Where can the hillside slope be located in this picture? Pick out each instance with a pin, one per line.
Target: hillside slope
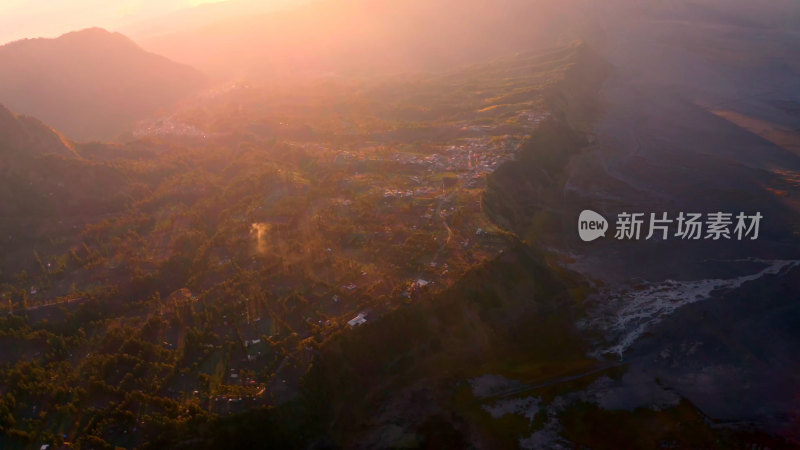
(48, 190)
(25, 135)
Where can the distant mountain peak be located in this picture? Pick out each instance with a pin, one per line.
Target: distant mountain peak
(91, 83)
(93, 34)
(97, 33)
(91, 31)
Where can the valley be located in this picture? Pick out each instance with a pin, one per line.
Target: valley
(231, 257)
(355, 226)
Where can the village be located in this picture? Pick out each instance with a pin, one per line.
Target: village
(439, 193)
(405, 223)
(399, 223)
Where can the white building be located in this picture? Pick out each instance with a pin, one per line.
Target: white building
(357, 320)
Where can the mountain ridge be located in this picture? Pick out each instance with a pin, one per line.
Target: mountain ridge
(21, 133)
(92, 83)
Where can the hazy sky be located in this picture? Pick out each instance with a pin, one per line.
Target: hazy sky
(49, 18)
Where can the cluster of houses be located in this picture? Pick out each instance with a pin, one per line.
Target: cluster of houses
(475, 157)
(168, 126)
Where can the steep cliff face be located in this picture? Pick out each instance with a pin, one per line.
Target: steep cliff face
(576, 100)
(524, 196)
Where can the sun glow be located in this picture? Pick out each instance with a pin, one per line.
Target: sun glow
(20, 19)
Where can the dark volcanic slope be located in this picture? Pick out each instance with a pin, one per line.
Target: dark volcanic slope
(91, 83)
(663, 143)
(689, 125)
